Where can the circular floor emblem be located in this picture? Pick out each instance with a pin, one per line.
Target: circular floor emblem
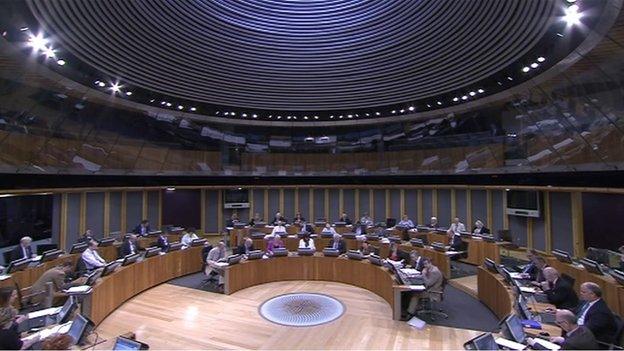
(301, 309)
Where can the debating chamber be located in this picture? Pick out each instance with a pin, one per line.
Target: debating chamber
(312, 174)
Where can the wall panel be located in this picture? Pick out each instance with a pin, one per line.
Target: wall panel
(539, 233)
(497, 211)
(114, 220)
(479, 208)
(364, 202)
(518, 228)
(95, 213)
(134, 209)
(319, 204)
(444, 207)
(289, 204)
(334, 204)
(461, 206)
(153, 208)
(411, 204)
(258, 203)
(395, 205)
(274, 204)
(212, 211)
(56, 218)
(304, 204)
(427, 203)
(561, 221)
(348, 202)
(73, 219)
(379, 204)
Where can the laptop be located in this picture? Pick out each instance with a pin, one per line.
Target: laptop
(255, 255)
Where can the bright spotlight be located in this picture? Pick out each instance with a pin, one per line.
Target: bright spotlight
(49, 53)
(455, 99)
(481, 91)
(193, 109)
(534, 65)
(411, 108)
(37, 42)
(168, 104)
(180, 107)
(115, 87)
(541, 59)
(128, 93)
(572, 15)
(254, 115)
(61, 62)
(526, 69)
(472, 93)
(464, 97)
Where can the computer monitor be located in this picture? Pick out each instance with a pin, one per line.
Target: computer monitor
(78, 248)
(305, 251)
(507, 275)
(175, 246)
(198, 242)
(260, 224)
(281, 234)
(490, 265)
(599, 255)
(110, 268)
(329, 252)
(66, 311)
(79, 328)
(438, 246)
(340, 224)
(513, 329)
(417, 242)
(233, 259)
(484, 341)
(523, 309)
(50, 255)
(562, 256)
(126, 344)
(93, 276)
(375, 259)
(18, 265)
(355, 255)
(240, 225)
(591, 266)
(327, 234)
(130, 259)
(618, 276)
(152, 251)
(280, 251)
(319, 223)
(255, 255)
(41, 248)
(394, 239)
(106, 242)
(154, 233)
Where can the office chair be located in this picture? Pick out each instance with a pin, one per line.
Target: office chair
(618, 341)
(568, 278)
(24, 297)
(390, 222)
(431, 306)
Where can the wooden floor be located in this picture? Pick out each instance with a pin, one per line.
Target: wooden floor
(173, 317)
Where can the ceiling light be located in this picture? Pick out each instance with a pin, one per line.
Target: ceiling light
(49, 53)
(244, 115)
(534, 65)
(428, 105)
(368, 115)
(481, 91)
(331, 117)
(37, 42)
(472, 93)
(279, 117)
(439, 103)
(254, 115)
(455, 99)
(193, 109)
(168, 104)
(294, 117)
(572, 15)
(377, 114)
(163, 102)
(393, 111)
(152, 100)
(464, 97)
(305, 117)
(233, 113)
(526, 69)
(402, 111)
(226, 114)
(101, 84)
(129, 93)
(541, 59)
(61, 62)
(411, 108)
(509, 78)
(180, 107)
(316, 117)
(115, 87)
(350, 116)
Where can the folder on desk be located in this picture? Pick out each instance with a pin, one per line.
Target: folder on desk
(529, 323)
(528, 289)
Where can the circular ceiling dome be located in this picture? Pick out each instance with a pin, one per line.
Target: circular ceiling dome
(293, 55)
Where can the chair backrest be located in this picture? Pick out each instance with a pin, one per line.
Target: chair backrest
(568, 278)
(505, 235)
(619, 334)
(81, 267)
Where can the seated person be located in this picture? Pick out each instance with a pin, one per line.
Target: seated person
(397, 254)
(367, 249)
(344, 218)
(189, 236)
(457, 226)
(416, 260)
(405, 222)
(480, 228)
(279, 228)
(558, 290)
(129, 246)
(338, 243)
(256, 218)
(455, 241)
(540, 265)
(216, 255)
(329, 229)
(306, 228)
(205, 250)
(91, 258)
(233, 220)
(9, 320)
(58, 276)
(433, 280)
(23, 250)
(531, 269)
(307, 242)
(366, 220)
(143, 228)
(298, 219)
(278, 219)
(575, 337)
(433, 223)
(245, 246)
(86, 237)
(595, 314)
(163, 241)
(275, 241)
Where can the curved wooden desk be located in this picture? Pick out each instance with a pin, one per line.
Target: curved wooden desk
(359, 273)
(30, 275)
(494, 293)
(113, 290)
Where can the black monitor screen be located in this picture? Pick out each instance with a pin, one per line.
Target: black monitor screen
(485, 342)
(126, 344)
(235, 196)
(525, 200)
(515, 328)
(30, 214)
(77, 328)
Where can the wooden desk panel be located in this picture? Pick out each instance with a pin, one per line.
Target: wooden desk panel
(478, 249)
(493, 292)
(112, 291)
(29, 276)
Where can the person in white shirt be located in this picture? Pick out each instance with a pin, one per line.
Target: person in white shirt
(279, 228)
(189, 236)
(457, 226)
(406, 222)
(433, 222)
(329, 229)
(91, 258)
(366, 220)
(307, 242)
(214, 256)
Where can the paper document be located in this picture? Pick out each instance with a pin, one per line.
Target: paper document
(516, 275)
(36, 258)
(221, 264)
(78, 289)
(528, 289)
(547, 344)
(44, 312)
(512, 345)
(4, 277)
(452, 253)
(416, 323)
(57, 329)
(417, 287)
(410, 271)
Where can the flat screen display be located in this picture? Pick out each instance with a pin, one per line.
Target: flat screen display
(523, 200)
(236, 196)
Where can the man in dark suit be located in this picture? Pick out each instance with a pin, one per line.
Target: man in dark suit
(344, 218)
(245, 246)
(480, 228)
(278, 218)
(129, 246)
(338, 243)
(595, 314)
(558, 290)
(456, 242)
(575, 337)
(23, 250)
(86, 237)
(163, 241)
(540, 265)
(143, 228)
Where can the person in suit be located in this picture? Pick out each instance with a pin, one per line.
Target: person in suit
(558, 290)
(256, 218)
(396, 254)
(58, 276)
(595, 314)
(576, 337)
(298, 219)
(433, 281)
(540, 264)
(189, 236)
(531, 269)
(306, 228)
(23, 250)
(405, 222)
(129, 246)
(205, 250)
(367, 249)
(457, 226)
(162, 241)
(245, 246)
(455, 241)
(215, 256)
(233, 220)
(480, 228)
(344, 218)
(338, 243)
(86, 237)
(143, 228)
(278, 218)
(307, 242)
(366, 220)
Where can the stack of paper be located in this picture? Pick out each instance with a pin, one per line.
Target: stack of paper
(82, 289)
(512, 345)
